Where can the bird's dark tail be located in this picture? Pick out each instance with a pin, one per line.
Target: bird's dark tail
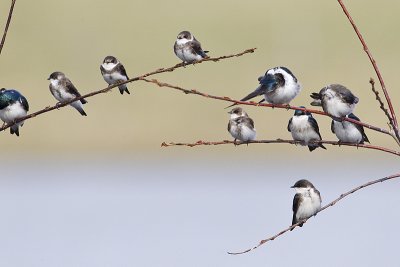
(313, 147)
(83, 101)
(315, 96)
(14, 130)
(123, 88)
(81, 111)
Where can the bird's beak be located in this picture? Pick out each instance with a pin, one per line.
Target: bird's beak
(292, 186)
(48, 79)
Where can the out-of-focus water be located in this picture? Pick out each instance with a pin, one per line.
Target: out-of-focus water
(189, 210)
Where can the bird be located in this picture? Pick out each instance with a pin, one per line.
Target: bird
(304, 128)
(188, 49)
(13, 105)
(63, 90)
(278, 85)
(349, 132)
(241, 126)
(336, 100)
(114, 72)
(306, 202)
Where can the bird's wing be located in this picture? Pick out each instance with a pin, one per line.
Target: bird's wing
(314, 125)
(359, 127)
(295, 207)
(123, 71)
(319, 194)
(196, 48)
(175, 48)
(102, 69)
(246, 120)
(73, 91)
(333, 126)
(288, 126)
(259, 91)
(24, 102)
(269, 82)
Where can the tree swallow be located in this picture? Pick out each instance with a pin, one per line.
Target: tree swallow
(63, 90)
(306, 202)
(13, 106)
(278, 85)
(349, 132)
(114, 72)
(336, 100)
(188, 49)
(241, 126)
(304, 128)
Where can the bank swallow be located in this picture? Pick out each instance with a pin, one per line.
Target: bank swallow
(188, 49)
(63, 90)
(13, 106)
(306, 202)
(278, 86)
(114, 72)
(241, 126)
(349, 132)
(304, 128)
(336, 100)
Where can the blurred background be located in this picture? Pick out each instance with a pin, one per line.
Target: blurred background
(99, 190)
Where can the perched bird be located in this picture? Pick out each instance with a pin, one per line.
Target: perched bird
(13, 106)
(336, 100)
(349, 132)
(114, 72)
(63, 90)
(304, 128)
(188, 49)
(241, 126)
(306, 202)
(278, 85)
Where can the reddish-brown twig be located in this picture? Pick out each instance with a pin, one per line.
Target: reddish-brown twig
(330, 204)
(382, 107)
(7, 25)
(280, 141)
(105, 90)
(375, 66)
(227, 99)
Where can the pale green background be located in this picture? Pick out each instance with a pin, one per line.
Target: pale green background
(312, 38)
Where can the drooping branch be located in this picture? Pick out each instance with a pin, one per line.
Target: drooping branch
(393, 118)
(330, 204)
(280, 141)
(3, 39)
(107, 89)
(250, 103)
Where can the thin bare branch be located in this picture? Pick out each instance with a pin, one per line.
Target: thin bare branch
(3, 40)
(105, 90)
(280, 141)
(377, 71)
(330, 204)
(227, 99)
(396, 135)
